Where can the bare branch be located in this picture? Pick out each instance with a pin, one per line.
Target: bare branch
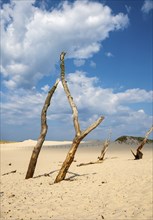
(68, 94)
(91, 127)
(104, 150)
(133, 153)
(145, 139)
(139, 154)
(89, 163)
(105, 147)
(13, 171)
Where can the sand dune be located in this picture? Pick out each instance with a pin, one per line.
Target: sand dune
(32, 143)
(119, 188)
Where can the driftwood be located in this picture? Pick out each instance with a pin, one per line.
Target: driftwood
(44, 128)
(105, 147)
(139, 154)
(101, 157)
(13, 171)
(89, 163)
(79, 135)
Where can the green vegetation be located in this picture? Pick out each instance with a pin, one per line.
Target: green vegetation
(124, 139)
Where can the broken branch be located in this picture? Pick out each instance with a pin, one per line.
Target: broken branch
(13, 171)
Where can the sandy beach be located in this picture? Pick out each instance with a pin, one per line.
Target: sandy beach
(117, 189)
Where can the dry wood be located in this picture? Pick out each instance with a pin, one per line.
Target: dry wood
(105, 147)
(44, 128)
(103, 152)
(79, 135)
(139, 154)
(70, 99)
(89, 163)
(13, 171)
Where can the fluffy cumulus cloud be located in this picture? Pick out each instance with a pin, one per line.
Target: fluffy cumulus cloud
(147, 6)
(32, 37)
(92, 101)
(31, 40)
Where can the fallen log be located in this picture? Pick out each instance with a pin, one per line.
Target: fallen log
(89, 163)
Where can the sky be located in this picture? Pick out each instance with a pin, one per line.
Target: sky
(108, 66)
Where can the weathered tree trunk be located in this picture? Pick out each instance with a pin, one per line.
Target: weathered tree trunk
(139, 154)
(44, 127)
(103, 152)
(79, 135)
(89, 163)
(105, 147)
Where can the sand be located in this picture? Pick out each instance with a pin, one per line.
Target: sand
(117, 189)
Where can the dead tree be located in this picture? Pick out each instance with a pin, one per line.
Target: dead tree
(103, 152)
(105, 148)
(139, 154)
(79, 135)
(44, 128)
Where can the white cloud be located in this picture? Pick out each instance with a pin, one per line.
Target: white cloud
(128, 8)
(109, 54)
(141, 111)
(79, 62)
(22, 107)
(32, 38)
(92, 63)
(147, 6)
(135, 96)
(45, 88)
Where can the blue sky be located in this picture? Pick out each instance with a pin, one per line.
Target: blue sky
(108, 66)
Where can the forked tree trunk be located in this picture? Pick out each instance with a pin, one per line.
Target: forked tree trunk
(44, 127)
(79, 135)
(139, 154)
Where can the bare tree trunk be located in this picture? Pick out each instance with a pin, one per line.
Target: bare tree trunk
(103, 152)
(70, 156)
(79, 135)
(105, 147)
(44, 127)
(139, 154)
